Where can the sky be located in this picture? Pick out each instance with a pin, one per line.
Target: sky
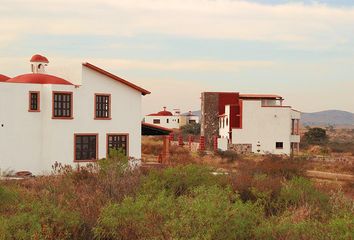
(302, 50)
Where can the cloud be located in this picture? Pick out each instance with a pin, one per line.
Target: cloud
(297, 24)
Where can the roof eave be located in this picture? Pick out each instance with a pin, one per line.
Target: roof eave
(116, 78)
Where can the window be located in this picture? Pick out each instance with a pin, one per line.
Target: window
(62, 105)
(156, 121)
(34, 102)
(192, 121)
(86, 147)
(295, 126)
(102, 106)
(167, 120)
(227, 122)
(279, 145)
(117, 142)
(177, 120)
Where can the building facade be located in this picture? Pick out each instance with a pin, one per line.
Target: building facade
(251, 123)
(46, 119)
(172, 120)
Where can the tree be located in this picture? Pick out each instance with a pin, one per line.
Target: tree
(191, 128)
(316, 136)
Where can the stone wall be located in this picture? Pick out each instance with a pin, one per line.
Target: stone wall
(209, 117)
(241, 148)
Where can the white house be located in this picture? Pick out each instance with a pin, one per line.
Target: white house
(259, 123)
(46, 119)
(172, 120)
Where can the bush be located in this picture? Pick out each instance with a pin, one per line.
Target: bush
(229, 155)
(140, 218)
(41, 220)
(301, 192)
(151, 145)
(214, 213)
(191, 129)
(181, 180)
(284, 227)
(205, 213)
(315, 136)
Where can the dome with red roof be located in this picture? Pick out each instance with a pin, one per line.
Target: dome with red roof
(38, 78)
(162, 113)
(3, 78)
(39, 58)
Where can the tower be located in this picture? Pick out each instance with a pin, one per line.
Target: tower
(38, 63)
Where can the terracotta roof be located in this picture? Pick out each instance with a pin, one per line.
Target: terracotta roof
(259, 96)
(3, 78)
(116, 78)
(38, 78)
(162, 113)
(39, 58)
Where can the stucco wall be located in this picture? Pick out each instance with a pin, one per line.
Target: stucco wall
(172, 121)
(34, 141)
(263, 127)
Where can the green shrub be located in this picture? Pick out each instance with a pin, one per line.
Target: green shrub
(205, 213)
(286, 227)
(300, 192)
(211, 212)
(7, 196)
(341, 227)
(140, 218)
(41, 220)
(191, 128)
(315, 136)
(180, 180)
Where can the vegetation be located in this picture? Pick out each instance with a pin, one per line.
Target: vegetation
(267, 200)
(315, 136)
(191, 129)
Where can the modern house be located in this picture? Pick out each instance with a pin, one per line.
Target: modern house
(172, 120)
(250, 123)
(46, 119)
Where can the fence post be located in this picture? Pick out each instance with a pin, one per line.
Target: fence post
(166, 149)
(215, 143)
(190, 141)
(202, 144)
(171, 136)
(180, 140)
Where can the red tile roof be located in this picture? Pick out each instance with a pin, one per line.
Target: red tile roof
(39, 58)
(4, 78)
(162, 113)
(38, 78)
(116, 78)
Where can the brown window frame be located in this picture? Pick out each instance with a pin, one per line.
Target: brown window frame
(109, 106)
(126, 135)
(156, 121)
(75, 147)
(30, 106)
(71, 105)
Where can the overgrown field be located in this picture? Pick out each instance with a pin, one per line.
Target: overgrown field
(268, 200)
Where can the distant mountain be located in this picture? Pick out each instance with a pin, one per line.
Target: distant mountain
(324, 118)
(330, 117)
(197, 113)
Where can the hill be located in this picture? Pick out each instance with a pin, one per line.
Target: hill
(330, 117)
(323, 118)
